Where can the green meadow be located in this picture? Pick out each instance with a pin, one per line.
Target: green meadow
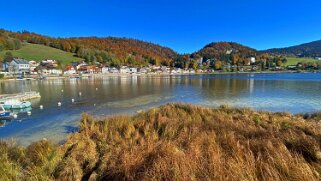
(295, 60)
(40, 52)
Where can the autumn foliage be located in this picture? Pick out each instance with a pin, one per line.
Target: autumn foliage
(105, 50)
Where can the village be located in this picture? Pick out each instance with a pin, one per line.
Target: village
(51, 68)
(20, 68)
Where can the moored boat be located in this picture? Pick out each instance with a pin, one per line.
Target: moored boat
(15, 104)
(3, 113)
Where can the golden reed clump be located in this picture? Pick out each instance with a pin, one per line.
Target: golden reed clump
(176, 142)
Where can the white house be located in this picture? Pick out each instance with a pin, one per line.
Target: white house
(52, 71)
(165, 69)
(113, 70)
(132, 70)
(200, 61)
(124, 70)
(228, 52)
(19, 66)
(143, 70)
(105, 70)
(252, 59)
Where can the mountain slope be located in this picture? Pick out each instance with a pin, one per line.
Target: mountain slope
(110, 49)
(40, 52)
(312, 49)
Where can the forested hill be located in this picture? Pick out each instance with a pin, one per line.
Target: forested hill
(221, 49)
(312, 49)
(115, 51)
(8, 41)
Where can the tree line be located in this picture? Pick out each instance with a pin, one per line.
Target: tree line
(124, 51)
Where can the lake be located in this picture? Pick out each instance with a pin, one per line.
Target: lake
(291, 92)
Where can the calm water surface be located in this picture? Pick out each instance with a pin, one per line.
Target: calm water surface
(295, 93)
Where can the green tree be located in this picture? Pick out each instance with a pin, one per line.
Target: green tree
(8, 57)
(194, 64)
(17, 43)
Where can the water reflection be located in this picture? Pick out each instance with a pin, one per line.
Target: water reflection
(118, 95)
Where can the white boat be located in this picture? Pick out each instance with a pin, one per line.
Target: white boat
(15, 104)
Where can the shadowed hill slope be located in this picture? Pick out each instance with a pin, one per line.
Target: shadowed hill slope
(312, 49)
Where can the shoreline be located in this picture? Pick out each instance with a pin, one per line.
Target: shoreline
(55, 77)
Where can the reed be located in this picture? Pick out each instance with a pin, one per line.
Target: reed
(176, 142)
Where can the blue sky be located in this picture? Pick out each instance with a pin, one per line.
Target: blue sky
(186, 26)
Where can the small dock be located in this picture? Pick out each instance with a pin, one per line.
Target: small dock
(20, 96)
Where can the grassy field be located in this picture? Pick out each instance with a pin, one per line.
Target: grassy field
(295, 60)
(176, 142)
(40, 52)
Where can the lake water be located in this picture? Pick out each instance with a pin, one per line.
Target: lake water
(291, 92)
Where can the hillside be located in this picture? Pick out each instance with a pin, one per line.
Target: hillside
(109, 50)
(176, 142)
(114, 51)
(312, 49)
(40, 52)
(217, 50)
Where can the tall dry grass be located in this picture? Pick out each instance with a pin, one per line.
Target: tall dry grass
(176, 142)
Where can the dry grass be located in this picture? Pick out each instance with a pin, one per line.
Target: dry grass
(176, 142)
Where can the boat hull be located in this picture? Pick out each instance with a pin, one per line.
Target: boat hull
(23, 105)
(5, 115)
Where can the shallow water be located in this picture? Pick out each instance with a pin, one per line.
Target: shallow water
(291, 92)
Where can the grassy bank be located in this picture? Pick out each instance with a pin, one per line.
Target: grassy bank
(40, 52)
(176, 142)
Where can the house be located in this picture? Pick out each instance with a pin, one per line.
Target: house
(105, 70)
(144, 70)
(69, 70)
(80, 64)
(19, 66)
(33, 66)
(165, 69)
(174, 71)
(228, 52)
(155, 68)
(89, 69)
(200, 61)
(252, 60)
(132, 70)
(4, 66)
(114, 70)
(177, 71)
(50, 64)
(124, 70)
(52, 71)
